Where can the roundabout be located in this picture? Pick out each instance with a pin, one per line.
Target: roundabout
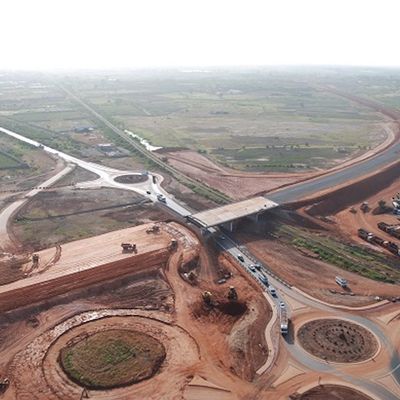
(112, 358)
(122, 354)
(337, 340)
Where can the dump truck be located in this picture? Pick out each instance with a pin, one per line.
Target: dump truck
(284, 321)
(341, 281)
(128, 247)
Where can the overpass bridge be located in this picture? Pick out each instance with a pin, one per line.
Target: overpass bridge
(228, 215)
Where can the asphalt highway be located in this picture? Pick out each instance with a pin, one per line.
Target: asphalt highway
(307, 188)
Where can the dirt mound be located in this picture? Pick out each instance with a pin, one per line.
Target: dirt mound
(330, 392)
(337, 340)
(113, 358)
(233, 308)
(131, 178)
(219, 309)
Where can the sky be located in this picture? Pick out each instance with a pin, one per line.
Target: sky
(98, 34)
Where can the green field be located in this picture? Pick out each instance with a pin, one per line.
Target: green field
(8, 162)
(249, 120)
(348, 256)
(256, 120)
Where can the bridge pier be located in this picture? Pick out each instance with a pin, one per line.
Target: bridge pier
(230, 226)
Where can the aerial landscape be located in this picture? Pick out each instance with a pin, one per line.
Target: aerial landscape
(198, 230)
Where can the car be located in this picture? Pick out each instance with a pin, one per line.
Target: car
(148, 192)
(272, 290)
(240, 258)
(162, 198)
(264, 280)
(258, 266)
(282, 304)
(252, 268)
(222, 237)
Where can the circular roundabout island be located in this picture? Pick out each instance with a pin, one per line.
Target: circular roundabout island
(131, 179)
(111, 358)
(331, 392)
(337, 340)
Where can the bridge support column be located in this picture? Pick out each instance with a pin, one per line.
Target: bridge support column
(255, 217)
(230, 226)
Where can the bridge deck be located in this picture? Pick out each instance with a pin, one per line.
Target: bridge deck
(230, 212)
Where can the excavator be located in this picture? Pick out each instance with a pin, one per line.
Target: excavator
(153, 229)
(232, 294)
(207, 298)
(4, 384)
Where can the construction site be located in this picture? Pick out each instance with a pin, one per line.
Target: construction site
(113, 287)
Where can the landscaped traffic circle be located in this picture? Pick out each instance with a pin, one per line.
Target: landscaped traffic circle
(111, 358)
(337, 340)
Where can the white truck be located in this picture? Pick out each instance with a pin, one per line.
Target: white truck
(284, 321)
(341, 281)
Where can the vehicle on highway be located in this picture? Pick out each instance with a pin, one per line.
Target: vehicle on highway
(162, 198)
(258, 266)
(264, 280)
(240, 258)
(282, 304)
(148, 192)
(272, 290)
(252, 268)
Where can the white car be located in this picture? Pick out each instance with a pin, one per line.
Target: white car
(282, 304)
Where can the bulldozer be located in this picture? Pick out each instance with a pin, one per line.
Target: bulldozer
(153, 229)
(207, 298)
(232, 294)
(128, 247)
(173, 244)
(4, 384)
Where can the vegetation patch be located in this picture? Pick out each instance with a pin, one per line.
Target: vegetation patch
(348, 256)
(337, 340)
(112, 358)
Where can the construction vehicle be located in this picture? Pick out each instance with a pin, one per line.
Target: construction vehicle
(207, 298)
(232, 294)
(35, 259)
(393, 230)
(4, 384)
(341, 282)
(128, 247)
(284, 320)
(364, 206)
(173, 244)
(192, 276)
(153, 229)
